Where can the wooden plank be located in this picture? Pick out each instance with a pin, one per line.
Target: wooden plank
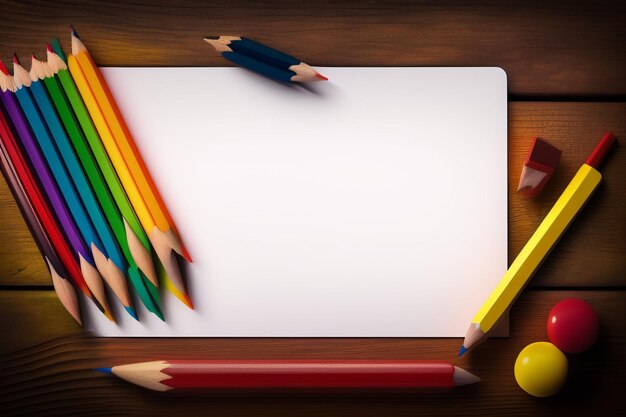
(547, 48)
(592, 253)
(593, 250)
(53, 376)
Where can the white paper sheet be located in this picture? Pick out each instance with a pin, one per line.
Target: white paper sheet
(370, 205)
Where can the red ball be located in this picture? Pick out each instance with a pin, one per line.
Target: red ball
(573, 325)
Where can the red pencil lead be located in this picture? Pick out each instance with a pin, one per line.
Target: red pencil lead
(49, 47)
(15, 59)
(320, 76)
(32, 57)
(3, 68)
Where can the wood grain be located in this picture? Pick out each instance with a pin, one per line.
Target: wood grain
(547, 48)
(593, 250)
(53, 376)
(596, 238)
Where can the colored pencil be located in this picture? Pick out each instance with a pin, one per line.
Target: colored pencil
(11, 100)
(65, 291)
(108, 257)
(48, 149)
(123, 138)
(129, 166)
(292, 374)
(110, 209)
(142, 254)
(542, 241)
(262, 59)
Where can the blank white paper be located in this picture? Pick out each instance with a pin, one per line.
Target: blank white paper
(370, 205)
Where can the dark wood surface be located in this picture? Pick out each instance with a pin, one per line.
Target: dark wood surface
(565, 62)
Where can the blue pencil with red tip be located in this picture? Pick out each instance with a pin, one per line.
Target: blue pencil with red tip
(264, 60)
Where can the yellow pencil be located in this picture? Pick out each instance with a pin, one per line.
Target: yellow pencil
(162, 241)
(542, 241)
(127, 146)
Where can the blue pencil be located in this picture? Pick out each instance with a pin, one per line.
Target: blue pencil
(264, 60)
(46, 126)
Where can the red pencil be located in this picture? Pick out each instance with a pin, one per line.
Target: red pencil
(292, 374)
(41, 208)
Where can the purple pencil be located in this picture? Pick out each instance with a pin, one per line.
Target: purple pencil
(89, 271)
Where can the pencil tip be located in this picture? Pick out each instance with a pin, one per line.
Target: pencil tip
(462, 351)
(3, 68)
(32, 57)
(109, 316)
(188, 301)
(321, 77)
(132, 312)
(49, 47)
(159, 314)
(16, 59)
(73, 31)
(186, 254)
(211, 38)
(104, 370)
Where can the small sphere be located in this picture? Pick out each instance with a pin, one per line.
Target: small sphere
(573, 325)
(541, 369)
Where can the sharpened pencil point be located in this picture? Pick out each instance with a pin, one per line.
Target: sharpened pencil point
(49, 47)
(188, 301)
(321, 77)
(132, 312)
(159, 314)
(104, 370)
(462, 351)
(109, 316)
(73, 31)
(186, 255)
(212, 38)
(16, 59)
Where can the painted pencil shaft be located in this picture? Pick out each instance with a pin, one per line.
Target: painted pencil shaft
(300, 374)
(109, 246)
(534, 252)
(49, 186)
(64, 290)
(108, 256)
(35, 119)
(106, 168)
(124, 140)
(104, 198)
(138, 243)
(258, 52)
(260, 67)
(158, 239)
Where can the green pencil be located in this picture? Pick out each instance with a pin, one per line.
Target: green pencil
(70, 108)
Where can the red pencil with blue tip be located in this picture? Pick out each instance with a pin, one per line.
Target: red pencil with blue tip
(166, 375)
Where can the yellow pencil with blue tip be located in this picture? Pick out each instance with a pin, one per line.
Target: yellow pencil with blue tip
(542, 241)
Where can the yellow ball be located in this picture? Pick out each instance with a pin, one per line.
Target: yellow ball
(541, 369)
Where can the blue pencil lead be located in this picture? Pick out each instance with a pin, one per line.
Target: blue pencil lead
(462, 351)
(104, 370)
(131, 311)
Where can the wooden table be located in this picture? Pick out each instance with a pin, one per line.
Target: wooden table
(566, 66)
